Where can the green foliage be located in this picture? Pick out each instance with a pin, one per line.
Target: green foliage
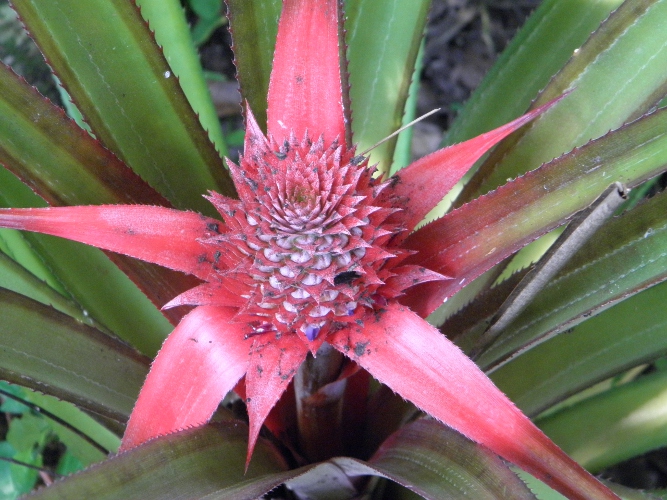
(209, 13)
(67, 308)
(33, 429)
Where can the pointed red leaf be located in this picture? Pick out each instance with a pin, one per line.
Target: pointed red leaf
(208, 294)
(410, 356)
(411, 275)
(426, 181)
(305, 91)
(272, 366)
(154, 234)
(200, 362)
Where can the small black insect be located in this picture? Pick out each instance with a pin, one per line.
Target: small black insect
(346, 277)
(357, 160)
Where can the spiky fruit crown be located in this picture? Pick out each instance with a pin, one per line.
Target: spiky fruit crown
(307, 246)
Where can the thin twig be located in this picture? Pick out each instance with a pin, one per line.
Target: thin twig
(393, 134)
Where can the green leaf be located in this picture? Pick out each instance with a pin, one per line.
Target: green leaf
(403, 150)
(487, 230)
(204, 462)
(10, 405)
(611, 427)
(381, 68)
(616, 76)
(203, 30)
(68, 464)
(80, 448)
(52, 414)
(105, 55)
(254, 27)
(9, 489)
(67, 167)
(538, 50)
(28, 433)
(166, 18)
(437, 462)
(624, 257)
(541, 490)
(53, 156)
(52, 353)
(206, 8)
(25, 478)
(18, 279)
(599, 348)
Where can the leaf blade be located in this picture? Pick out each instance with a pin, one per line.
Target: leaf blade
(596, 349)
(50, 352)
(404, 352)
(173, 35)
(622, 422)
(381, 68)
(93, 47)
(211, 350)
(305, 89)
(65, 166)
(483, 232)
(595, 105)
(596, 278)
(254, 26)
(420, 454)
(164, 236)
(205, 462)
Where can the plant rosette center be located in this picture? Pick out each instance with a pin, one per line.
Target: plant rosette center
(308, 247)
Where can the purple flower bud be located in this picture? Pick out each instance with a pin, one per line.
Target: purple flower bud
(312, 331)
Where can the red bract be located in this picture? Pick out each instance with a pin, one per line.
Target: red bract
(311, 252)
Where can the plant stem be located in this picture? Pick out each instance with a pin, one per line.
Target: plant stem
(319, 403)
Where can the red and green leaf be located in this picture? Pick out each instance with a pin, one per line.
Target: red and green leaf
(426, 181)
(470, 240)
(93, 47)
(199, 363)
(404, 352)
(597, 103)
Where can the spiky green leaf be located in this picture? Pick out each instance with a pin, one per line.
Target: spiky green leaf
(626, 256)
(599, 348)
(611, 427)
(105, 55)
(596, 103)
(207, 462)
(52, 353)
(254, 26)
